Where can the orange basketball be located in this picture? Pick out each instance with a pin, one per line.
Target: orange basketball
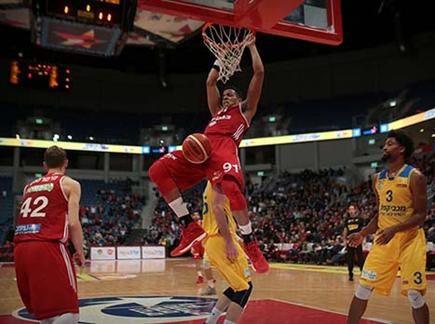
(196, 148)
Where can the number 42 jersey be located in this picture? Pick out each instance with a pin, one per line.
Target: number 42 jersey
(44, 211)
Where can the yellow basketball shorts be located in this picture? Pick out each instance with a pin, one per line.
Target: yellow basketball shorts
(406, 251)
(237, 273)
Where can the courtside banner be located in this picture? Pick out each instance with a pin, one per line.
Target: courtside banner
(103, 253)
(153, 252)
(128, 252)
(103, 266)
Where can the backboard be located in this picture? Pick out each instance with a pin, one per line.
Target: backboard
(311, 20)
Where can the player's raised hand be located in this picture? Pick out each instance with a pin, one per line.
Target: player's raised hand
(250, 41)
(231, 250)
(355, 239)
(79, 259)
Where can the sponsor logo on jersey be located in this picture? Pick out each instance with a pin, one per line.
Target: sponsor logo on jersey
(214, 120)
(139, 309)
(369, 275)
(44, 187)
(392, 210)
(352, 227)
(247, 272)
(27, 229)
(380, 184)
(216, 175)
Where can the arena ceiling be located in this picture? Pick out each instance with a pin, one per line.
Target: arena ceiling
(164, 38)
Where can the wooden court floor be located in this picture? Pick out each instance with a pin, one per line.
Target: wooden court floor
(321, 288)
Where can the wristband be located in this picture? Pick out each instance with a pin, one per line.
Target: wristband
(216, 65)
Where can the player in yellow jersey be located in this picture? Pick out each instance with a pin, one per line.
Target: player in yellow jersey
(225, 253)
(399, 240)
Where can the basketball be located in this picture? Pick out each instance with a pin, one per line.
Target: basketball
(196, 148)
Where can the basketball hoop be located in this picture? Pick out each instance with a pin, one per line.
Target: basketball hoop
(227, 45)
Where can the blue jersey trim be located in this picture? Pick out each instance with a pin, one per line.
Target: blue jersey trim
(405, 173)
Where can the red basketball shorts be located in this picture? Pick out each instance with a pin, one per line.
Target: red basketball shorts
(223, 162)
(46, 278)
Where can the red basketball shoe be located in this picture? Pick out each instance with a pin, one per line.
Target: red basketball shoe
(258, 261)
(199, 280)
(190, 235)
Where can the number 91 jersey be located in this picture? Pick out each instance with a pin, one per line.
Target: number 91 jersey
(44, 211)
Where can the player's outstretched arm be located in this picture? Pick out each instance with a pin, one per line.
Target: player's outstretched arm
(73, 191)
(213, 95)
(256, 84)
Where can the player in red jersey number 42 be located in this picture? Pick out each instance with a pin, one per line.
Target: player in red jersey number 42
(48, 218)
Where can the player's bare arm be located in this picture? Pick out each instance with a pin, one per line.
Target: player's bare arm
(73, 192)
(356, 239)
(218, 200)
(213, 95)
(250, 105)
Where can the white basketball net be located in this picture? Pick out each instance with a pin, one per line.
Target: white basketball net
(227, 44)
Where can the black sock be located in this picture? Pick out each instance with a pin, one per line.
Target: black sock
(185, 220)
(248, 238)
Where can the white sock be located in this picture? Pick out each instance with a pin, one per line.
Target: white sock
(179, 207)
(215, 313)
(199, 274)
(211, 283)
(246, 229)
(228, 322)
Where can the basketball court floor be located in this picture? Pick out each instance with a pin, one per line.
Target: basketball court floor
(164, 291)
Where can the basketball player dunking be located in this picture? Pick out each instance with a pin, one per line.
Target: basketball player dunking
(399, 240)
(173, 174)
(49, 216)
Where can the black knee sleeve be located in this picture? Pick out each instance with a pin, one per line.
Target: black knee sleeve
(229, 292)
(241, 297)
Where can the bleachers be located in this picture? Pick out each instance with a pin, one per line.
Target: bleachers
(337, 113)
(89, 191)
(6, 206)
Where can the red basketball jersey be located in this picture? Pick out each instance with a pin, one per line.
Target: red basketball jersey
(44, 211)
(228, 122)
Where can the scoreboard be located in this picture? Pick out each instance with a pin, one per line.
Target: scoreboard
(89, 27)
(104, 12)
(40, 75)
